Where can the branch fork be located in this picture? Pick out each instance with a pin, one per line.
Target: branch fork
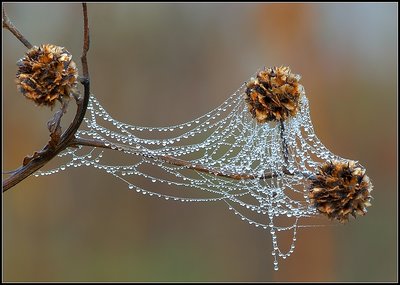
(58, 142)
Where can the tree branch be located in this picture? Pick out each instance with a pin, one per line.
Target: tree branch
(49, 151)
(285, 151)
(179, 162)
(9, 26)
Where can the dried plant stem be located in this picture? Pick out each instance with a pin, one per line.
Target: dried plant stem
(9, 26)
(86, 42)
(285, 151)
(179, 162)
(49, 151)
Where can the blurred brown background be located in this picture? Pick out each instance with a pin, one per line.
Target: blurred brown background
(161, 64)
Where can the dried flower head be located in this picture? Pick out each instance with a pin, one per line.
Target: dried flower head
(274, 94)
(340, 188)
(46, 74)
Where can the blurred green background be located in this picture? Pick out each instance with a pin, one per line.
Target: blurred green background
(162, 64)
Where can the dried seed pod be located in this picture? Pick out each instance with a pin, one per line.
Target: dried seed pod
(46, 74)
(274, 94)
(340, 189)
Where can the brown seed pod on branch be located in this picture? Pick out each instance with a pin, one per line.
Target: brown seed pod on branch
(340, 189)
(274, 94)
(46, 74)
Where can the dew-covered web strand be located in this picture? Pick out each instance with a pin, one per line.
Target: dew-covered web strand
(226, 139)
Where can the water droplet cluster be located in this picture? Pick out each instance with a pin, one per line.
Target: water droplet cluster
(227, 140)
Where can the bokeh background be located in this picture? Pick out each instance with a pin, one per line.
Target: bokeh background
(162, 64)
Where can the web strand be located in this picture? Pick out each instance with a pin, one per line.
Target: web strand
(221, 143)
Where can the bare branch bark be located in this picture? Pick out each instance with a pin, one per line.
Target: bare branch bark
(285, 150)
(9, 26)
(49, 151)
(179, 162)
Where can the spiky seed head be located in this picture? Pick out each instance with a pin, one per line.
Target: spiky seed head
(340, 189)
(46, 74)
(274, 94)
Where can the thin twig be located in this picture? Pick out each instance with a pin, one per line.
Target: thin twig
(85, 80)
(86, 42)
(285, 151)
(9, 26)
(179, 162)
(48, 152)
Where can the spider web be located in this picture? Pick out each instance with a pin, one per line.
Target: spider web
(226, 141)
